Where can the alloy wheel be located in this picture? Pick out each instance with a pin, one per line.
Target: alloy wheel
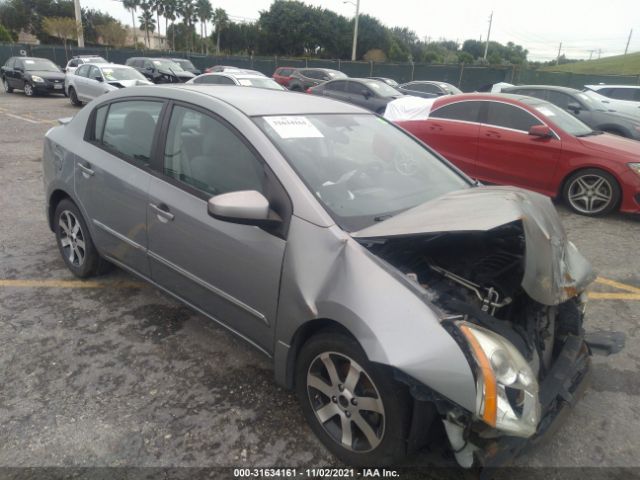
(72, 238)
(28, 90)
(346, 402)
(590, 193)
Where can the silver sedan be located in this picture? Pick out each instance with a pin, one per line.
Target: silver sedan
(392, 293)
(91, 80)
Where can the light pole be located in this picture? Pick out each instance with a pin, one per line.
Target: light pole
(355, 29)
(78, 13)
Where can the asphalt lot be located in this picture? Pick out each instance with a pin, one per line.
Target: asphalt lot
(113, 372)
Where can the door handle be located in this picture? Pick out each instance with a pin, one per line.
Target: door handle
(492, 134)
(435, 127)
(86, 171)
(162, 212)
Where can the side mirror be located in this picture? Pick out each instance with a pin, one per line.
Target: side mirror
(247, 207)
(541, 131)
(19, 69)
(574, 107)
(98, 78)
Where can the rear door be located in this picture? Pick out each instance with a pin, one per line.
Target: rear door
(80, 81)
(112, 176)
(508, 155)
(452, 130)
(9, 71)
(94, 87)
(230, 271)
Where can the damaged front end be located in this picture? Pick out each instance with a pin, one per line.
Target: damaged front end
(509, 287)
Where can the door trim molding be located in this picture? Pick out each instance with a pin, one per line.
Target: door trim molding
(119, 236)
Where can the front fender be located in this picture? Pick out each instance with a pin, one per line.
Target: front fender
(327, 274)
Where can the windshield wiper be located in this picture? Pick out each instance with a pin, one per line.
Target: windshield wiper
(382, 218)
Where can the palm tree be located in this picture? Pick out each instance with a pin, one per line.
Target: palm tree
(169, 8)
(158, 6)
(147, 22)
(205, 12)
(187, 10)
(220, 21)
(132, 5)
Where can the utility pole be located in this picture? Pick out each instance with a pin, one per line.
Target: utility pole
(591, 54)
(599, 52)
(559, 50)
(486, 47)
(78, 13)
(355, 29)
(626, 49)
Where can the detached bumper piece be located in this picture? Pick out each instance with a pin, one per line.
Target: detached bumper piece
(562, 387)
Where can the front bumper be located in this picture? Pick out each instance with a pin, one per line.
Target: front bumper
(49, 86)
(562, 387)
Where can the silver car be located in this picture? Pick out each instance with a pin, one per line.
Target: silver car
(396, 297)
(91, 80)
(237, 78)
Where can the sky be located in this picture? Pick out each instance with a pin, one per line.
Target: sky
(600, 29)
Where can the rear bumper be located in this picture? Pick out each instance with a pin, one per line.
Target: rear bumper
(562, 387)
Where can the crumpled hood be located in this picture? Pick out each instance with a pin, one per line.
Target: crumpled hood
(130, 83)
(554, 269)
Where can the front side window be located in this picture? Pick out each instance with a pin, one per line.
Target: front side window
(83, 71)
(10, 63)
(206, 154)
(509, 116)
(359, 166)
(208, 80)
(356, 88)
(94, 73)
(337, 86)
(561, 99)
(461, 111)
(381, 89)
(423, 87)
(130, 128)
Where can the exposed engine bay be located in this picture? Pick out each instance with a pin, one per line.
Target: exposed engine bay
(479, 275)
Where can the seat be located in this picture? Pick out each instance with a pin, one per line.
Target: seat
(139, 128)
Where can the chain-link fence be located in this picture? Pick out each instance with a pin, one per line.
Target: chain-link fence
(467, 77)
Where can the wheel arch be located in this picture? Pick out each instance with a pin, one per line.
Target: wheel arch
(54, 199)
(589, 166)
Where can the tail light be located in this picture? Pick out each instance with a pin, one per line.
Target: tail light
(308, 90)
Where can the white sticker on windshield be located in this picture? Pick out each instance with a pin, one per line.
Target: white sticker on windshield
(545, 111)
(245, 82)
(157, 62)
(293, 127)
(29, 62)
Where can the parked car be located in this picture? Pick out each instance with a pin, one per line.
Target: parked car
(236, 78)
(393, 294)
(428, 89)
(187, 65)
(527, 142)
(160, 70)
(32, 75)
(78, 60)
(389, 81)
(364, 92)
(305, 78)
(90, 80)
(230, 69)
(582, 106)
(282, 75)
(630, 93)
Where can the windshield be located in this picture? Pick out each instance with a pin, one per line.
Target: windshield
(113, 74)
(360, 167)
(94, 60)
(41, 65)
(382, 88)
(186, 64)
(335, 74)
(260, 82)
(564, 120)
(450, 89)
(167, 65)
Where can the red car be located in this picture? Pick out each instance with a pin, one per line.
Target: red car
(282, 75)
(530, 143)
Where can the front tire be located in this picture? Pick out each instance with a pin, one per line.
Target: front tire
(354, 407)
(592, 192)
(28, 90)
(73, 97)
(74, 241)
(6, 86)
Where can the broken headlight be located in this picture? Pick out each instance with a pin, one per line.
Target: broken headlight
(507, 389)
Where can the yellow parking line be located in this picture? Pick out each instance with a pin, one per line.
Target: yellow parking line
(613, 296)
(68, 284)
(618, 285)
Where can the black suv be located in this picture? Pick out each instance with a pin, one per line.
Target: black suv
(32, 75)
(365, 92)
(160, 70)
(305, 78)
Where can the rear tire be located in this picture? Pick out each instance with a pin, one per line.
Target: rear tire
(591, 192)
(74, 241)
(354, 406)
(6, 86)
(74, 97)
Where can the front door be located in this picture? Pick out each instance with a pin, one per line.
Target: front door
(112, 178)
(229, 271)
(508, 155)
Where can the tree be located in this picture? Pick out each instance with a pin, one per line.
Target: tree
(91, 20)
(64, 28)
(158, 7)
(5, 36)
(187, 10)
(132, 5)
(220, 21)
(205, 12)
(147, 22)
(112, 33)
(169, 7)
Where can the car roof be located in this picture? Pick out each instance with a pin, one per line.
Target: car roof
(259, 102)
(557, 88)
(508, 97)
(613, 86)
(110, 65)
